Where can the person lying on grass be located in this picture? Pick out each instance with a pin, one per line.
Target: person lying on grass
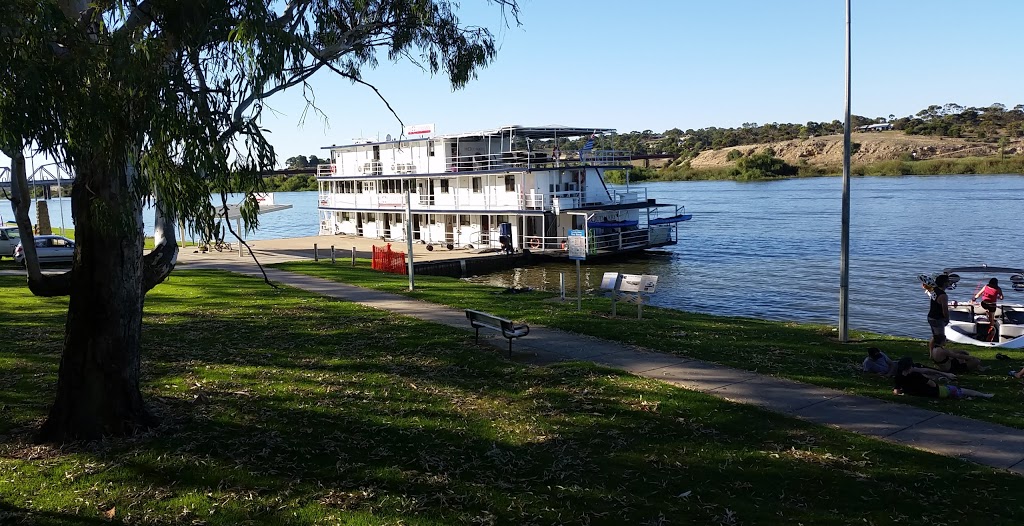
(921, 381)
(1018, 375)
(950, 360)
(877, 362)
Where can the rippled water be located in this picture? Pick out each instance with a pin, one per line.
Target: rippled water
(298, 221)
(771, 249)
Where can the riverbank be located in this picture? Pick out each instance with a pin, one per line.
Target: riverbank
(874, 153)
(803, 352)
(288, 408)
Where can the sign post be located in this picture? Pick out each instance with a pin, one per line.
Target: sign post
(408, 235)
(577, 245)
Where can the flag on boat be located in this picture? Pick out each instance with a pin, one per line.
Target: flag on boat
(589, 144)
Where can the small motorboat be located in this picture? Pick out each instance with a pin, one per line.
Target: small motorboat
(969, 322)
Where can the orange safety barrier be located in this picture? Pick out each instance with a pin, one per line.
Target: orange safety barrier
(387, 260)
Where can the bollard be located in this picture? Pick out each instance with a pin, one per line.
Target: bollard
(353, 256)
(561, 284)
(316, 253)
(332, 254)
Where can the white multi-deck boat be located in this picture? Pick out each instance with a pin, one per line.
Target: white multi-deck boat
(511, 188)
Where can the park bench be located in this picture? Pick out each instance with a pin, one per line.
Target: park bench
(508, 329)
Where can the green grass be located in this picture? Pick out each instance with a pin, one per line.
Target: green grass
(285, 408)
(807, 353)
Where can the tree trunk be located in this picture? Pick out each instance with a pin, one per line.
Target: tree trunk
(98, 384)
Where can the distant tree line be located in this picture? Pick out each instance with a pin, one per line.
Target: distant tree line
(301, 161)
(995, 124)
(950, 120)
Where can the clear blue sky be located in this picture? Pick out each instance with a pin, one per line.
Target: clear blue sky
(657, 65)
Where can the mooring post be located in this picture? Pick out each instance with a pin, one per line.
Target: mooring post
(353, 256)
(316, 253)
(332, 254)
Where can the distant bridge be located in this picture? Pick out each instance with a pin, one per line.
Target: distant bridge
(46, 176)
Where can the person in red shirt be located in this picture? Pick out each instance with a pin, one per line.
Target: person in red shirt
(989, 294)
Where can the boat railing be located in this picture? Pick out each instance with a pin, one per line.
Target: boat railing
(329, 170)
(570, 200)
(617, 241)
(604, 157)
(535, 160)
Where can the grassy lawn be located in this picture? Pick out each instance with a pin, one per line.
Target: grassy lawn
(808, 353)
(285, 408)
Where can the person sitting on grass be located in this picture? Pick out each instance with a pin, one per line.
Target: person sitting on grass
(949, 360)
(920, 381)
(1018, 375)
(877, 362)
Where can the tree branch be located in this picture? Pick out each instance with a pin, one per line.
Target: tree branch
(141, 15)
(47, 285)
(224, 204)
(159, 263)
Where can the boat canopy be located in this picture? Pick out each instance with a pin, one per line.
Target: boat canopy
(549, 131)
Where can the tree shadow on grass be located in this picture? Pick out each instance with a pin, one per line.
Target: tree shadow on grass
(310, 408)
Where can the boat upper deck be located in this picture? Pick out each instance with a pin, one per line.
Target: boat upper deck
(506, 149)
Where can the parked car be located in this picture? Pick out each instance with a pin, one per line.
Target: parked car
(9, 238)
(50, 249)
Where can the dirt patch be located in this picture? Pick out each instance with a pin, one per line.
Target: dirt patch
(877, 146)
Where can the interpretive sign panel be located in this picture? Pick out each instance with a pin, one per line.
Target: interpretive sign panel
(641, 283)
(630, 288)
(610, 280)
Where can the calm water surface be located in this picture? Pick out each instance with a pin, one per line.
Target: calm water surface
(771, 250)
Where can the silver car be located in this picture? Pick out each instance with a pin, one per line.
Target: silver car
(50, 249)
(8, 240)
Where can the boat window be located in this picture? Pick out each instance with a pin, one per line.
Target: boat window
(464, 220)
(510, 183)
(444, 186)
(430, 148)
(478, 184)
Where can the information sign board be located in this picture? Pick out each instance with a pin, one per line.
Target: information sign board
(577, 245)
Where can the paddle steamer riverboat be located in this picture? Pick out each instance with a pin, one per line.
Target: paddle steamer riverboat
(512, 188)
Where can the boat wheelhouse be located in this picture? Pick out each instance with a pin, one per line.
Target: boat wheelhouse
(510, 188)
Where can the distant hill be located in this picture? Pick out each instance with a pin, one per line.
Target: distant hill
(869, 147)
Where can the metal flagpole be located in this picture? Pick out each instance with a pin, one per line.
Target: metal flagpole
(844, 256)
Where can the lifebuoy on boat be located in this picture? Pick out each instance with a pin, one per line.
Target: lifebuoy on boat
(534, 242)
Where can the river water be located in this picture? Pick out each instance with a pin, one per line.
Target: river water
(771, 249)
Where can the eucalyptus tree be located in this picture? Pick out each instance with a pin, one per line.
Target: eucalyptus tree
(159, 101)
